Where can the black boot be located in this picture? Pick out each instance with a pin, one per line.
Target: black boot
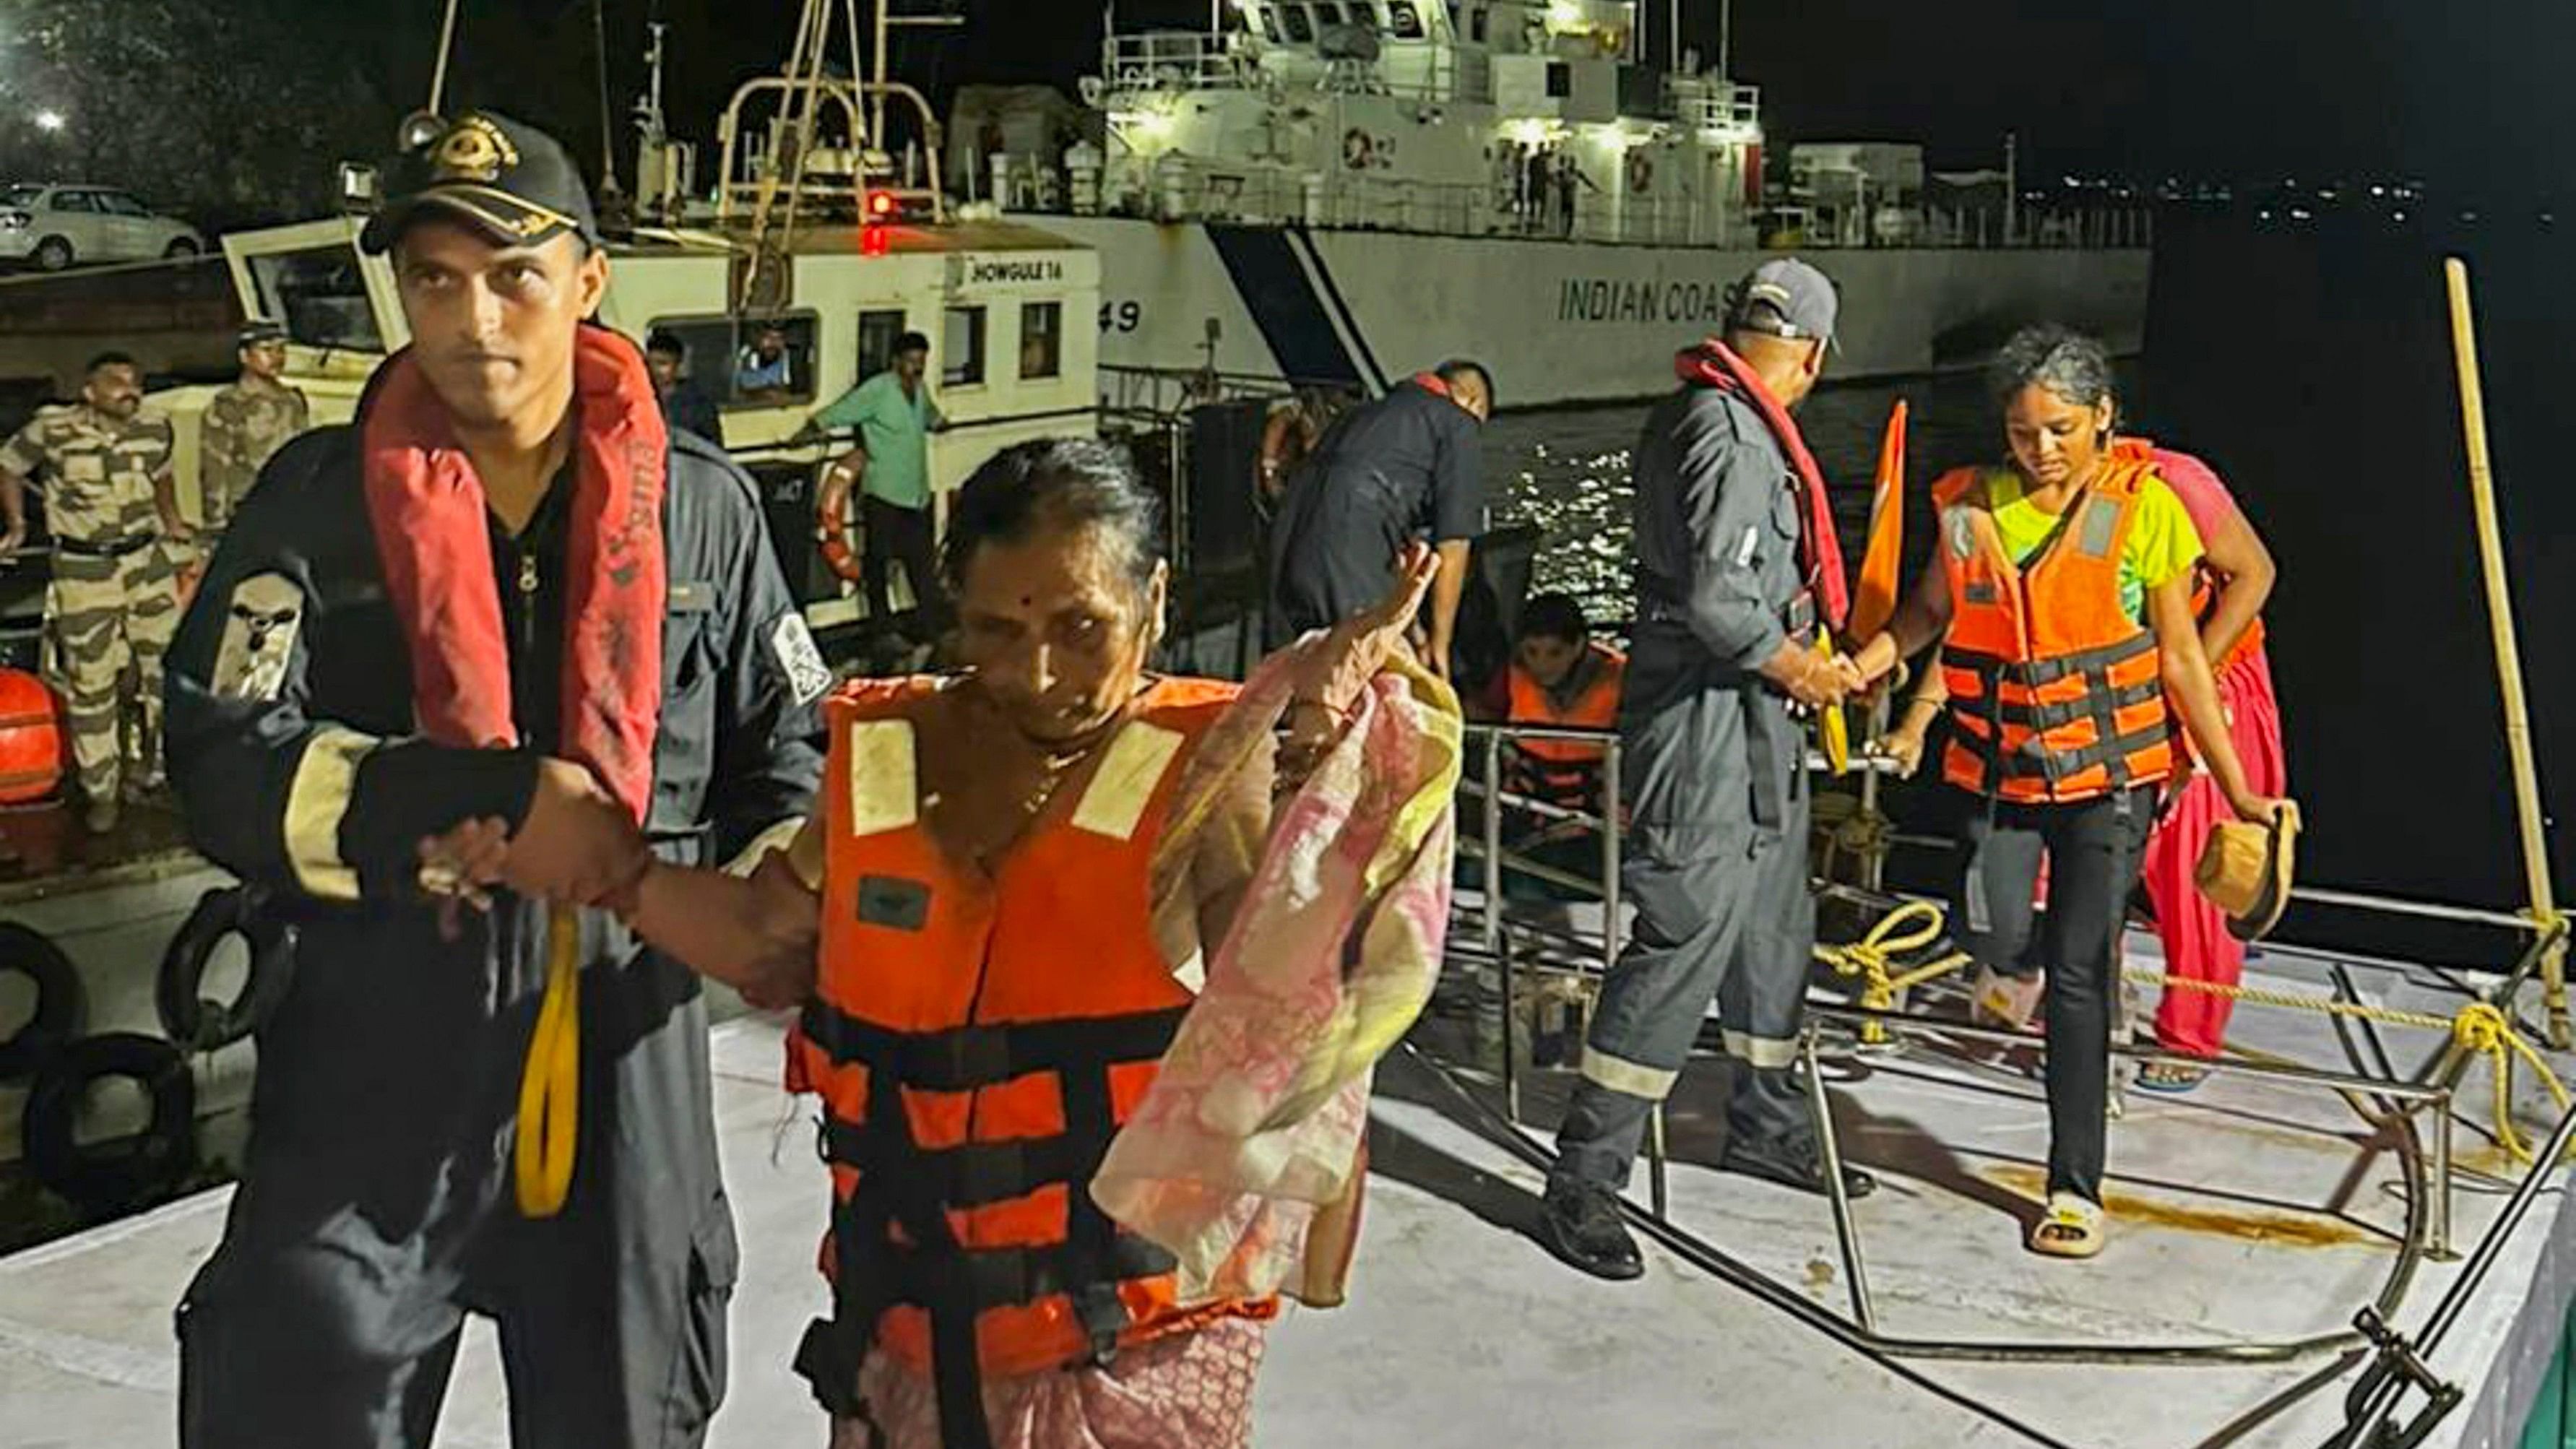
(1793, 1161)
(1580, 1223)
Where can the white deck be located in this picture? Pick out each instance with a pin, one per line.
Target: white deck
(2253, 1212)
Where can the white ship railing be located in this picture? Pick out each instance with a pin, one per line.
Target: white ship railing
(1175, 60)
(1172, 61)
(1176, 187)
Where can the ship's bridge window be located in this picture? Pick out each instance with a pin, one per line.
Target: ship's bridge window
(320, 293)
(877, 333)
(1560, 79)
(1406, 21)
(1301, 26)
(1269, 24)
(961, 360)
(1482, 19)
(1328, 13)
(1041, 339)
(748, 362)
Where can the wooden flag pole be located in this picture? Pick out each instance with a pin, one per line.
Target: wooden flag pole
(2517, 714)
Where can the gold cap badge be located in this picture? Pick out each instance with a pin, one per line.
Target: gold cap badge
(474, 150)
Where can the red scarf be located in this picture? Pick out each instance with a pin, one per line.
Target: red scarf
(1820, 552)
(433, 534)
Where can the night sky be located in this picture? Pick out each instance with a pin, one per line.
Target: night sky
(2242, 90)
(2232, 88)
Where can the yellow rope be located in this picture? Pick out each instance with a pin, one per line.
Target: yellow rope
(1910, 927)
(2477, 1029)
(550, 1088)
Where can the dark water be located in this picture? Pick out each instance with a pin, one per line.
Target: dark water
(2313, 368)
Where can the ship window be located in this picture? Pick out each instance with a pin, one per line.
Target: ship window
(320, 293)
(1364, 15)
(1406, 21)
(877, 332)
(1483, 21)
(1560, 79)
(773, 360)
(1270, 24)
(1328, 13)
(723, 356)
(1041, 339)
(1301, 26)
(961, 360)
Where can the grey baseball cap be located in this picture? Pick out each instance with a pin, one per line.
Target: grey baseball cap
(1785, 297)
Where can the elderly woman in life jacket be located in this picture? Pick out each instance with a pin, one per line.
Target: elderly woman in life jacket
(988, 929)
(2062, 599)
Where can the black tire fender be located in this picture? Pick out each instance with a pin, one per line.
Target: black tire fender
(110, 1176)
(61, 1000)
(196, 1023)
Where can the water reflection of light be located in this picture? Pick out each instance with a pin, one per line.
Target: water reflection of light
(1565, 471)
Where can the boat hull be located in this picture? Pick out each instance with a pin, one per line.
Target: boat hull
(1560, 322)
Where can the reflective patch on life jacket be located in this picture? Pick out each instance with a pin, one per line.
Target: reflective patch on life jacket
(2101, 527)
(1124, 785)
(893, 902)
(884, 786)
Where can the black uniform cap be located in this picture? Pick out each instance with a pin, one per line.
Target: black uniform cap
(502, 177)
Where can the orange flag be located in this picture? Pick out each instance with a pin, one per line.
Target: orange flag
(1874, 601)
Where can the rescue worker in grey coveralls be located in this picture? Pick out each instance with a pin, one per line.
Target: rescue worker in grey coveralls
(1714, 774)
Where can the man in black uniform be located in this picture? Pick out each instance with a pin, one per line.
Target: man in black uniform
(1734, 547)
(377, 1206)
(1403, 467)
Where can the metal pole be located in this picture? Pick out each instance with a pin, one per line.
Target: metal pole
(1495, 943)
(446, 47)
(1726, 40)
(2508, 653)
(1658, 1191)
(1846, 1231)
(2437, 1216)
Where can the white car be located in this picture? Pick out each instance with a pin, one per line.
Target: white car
(57, 224)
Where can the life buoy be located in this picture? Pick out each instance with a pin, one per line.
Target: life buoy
(196, 1022)
(60, 1000)
(1357, 149)
(1641, 171)
(112, 1175)
(832, 532)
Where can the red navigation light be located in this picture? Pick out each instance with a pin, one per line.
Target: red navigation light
(880, 205)
(874, 241)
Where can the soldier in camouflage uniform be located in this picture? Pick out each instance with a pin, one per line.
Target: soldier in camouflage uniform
(111, 506)
(244, 425)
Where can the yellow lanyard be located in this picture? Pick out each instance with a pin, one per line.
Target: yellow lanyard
(550, 1089)
(1830, 723)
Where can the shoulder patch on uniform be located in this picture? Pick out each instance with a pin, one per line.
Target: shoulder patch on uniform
(800, 661)
(265, 615)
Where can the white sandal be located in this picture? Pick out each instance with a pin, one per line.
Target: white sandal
(2071, 1228)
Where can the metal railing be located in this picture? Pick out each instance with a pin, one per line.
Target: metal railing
(2410, 1109)
(1173, 60)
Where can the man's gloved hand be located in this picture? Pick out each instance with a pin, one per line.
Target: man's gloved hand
(577, 844)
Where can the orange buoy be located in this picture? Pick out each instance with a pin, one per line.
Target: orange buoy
(31, 739)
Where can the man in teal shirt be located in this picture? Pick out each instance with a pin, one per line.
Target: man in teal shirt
(895, 417)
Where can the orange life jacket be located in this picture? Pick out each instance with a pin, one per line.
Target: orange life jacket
(2056, 693)
(977, 1041)
(1566, 772)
